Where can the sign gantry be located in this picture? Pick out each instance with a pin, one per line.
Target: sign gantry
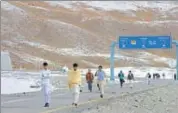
(141, 42)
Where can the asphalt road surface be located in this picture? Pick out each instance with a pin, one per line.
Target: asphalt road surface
(62, 99)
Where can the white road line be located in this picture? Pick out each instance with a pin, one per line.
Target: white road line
(22, 100)
(17, 100)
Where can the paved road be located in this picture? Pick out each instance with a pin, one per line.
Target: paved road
(61, 99)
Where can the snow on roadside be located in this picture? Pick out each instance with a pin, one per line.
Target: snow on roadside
(20, 81)
(138, 72)
(13, 85)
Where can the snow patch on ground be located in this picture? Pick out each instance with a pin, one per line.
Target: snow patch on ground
(118, 5)
(9, 7)
(66, 4)
(31, 59)
(15, 85)
(153, 23)
(170, 61)
(90, 63)
(37, 7)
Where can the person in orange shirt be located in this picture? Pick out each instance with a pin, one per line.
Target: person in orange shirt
(89, 79)
(74, 82)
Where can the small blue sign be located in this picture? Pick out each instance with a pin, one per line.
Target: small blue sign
(145, 42)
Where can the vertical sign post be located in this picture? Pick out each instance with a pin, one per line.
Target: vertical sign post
(112, 50)
(176, 43)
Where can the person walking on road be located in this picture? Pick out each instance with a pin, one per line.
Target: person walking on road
(89, 79)
(130, 79)
(74, 82)
(175, 76)
(163, 75)
(97, 82)
(101, 80)
(149, 78)
(46, 84)
(121, 78)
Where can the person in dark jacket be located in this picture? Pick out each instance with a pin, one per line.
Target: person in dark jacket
(89, 79)
(121, 78)
(175, 76)
(149, 78)
(130, 78)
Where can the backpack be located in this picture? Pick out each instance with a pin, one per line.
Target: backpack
(130, 76)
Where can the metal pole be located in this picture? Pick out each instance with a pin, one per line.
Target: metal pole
(176, 43)
(112, 60)
(177, 60)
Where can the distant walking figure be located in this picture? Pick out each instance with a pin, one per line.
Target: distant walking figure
(149, 78)
(163, 75)
(175, 77)
(121, 78)
(130, 78)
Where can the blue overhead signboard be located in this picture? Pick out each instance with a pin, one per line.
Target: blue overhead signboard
(145, 42)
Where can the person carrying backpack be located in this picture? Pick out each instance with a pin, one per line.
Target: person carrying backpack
(130, 79)
(121, 78)
(89, 79)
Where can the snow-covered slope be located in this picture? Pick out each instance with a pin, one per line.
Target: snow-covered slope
(118, 5)
(81, 31)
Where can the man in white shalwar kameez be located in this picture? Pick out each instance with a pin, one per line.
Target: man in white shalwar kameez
(46, 84)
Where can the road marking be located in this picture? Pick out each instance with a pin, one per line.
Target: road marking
(71, 106)
(17, 100)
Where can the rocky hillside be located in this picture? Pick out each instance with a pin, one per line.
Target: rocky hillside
(66, 32)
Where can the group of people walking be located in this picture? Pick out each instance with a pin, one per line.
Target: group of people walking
(130, 78)
(100, 74)
(75, 80)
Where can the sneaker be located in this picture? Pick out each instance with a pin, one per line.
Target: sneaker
(75, 105)
(101, 96)
(46, 105)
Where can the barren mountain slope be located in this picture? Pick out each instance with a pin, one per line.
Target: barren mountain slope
(67, 32)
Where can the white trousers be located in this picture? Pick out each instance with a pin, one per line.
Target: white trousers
(101, 85)
(75, 92)
(46, 88)
(131, 83)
